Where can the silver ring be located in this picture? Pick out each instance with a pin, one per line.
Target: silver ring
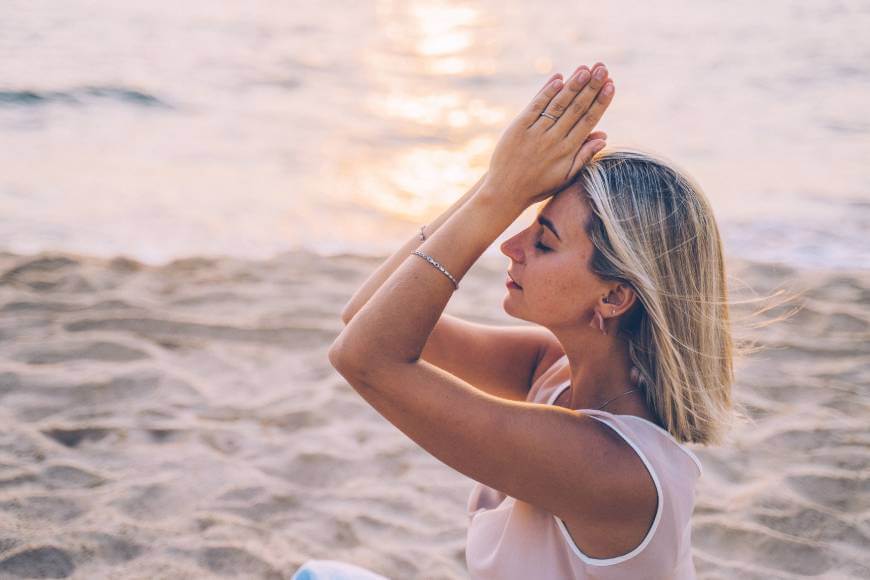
(549, 116)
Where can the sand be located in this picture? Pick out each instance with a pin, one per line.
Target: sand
(183, 421)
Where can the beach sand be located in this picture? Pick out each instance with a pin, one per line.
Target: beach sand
(183, 421)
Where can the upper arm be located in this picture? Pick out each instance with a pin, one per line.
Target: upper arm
(504, 361)
(556, 459)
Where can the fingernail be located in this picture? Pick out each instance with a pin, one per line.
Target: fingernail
(583, 76)
(607, 90)
(599, 146)
(600, 72)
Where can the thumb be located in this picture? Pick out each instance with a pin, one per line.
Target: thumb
(585, 154)
(596, 135)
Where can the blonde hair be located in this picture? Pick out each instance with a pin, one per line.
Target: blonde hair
(653, 229)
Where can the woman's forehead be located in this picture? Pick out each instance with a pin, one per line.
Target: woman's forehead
(568, 209)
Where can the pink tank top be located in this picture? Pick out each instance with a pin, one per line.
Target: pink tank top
(510, 539)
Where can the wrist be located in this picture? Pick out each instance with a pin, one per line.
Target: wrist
(496, 195)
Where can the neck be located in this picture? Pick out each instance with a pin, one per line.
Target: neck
(601, 371)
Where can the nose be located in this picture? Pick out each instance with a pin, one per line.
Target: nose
(512, 248)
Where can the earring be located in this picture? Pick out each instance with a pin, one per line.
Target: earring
(598, 320)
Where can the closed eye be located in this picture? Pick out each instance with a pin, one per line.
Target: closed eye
(542, 247)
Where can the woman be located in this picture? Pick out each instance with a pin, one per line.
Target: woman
(574, 427)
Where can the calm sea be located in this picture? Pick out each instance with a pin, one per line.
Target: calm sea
(166, 129)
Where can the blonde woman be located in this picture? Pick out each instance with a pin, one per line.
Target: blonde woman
(574, 428)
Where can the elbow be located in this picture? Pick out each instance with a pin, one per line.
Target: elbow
(361, 362)
(345, 358)
(338, 355)
(343, 364)
(349, 366)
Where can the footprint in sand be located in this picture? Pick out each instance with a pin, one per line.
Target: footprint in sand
(39, 562)
(68, 476)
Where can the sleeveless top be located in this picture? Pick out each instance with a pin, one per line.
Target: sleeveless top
(510, 539)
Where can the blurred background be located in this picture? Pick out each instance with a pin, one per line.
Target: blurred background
(167, 129)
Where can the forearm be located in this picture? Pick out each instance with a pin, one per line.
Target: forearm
(384, 271)
(397, 321)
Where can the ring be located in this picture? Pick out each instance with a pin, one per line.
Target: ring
(548, 115)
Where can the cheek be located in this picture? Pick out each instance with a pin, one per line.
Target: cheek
(563, 288)
(557, 282)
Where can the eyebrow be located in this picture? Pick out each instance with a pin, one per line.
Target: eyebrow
(545, 222)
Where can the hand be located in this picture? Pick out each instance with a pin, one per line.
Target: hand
(536, 156)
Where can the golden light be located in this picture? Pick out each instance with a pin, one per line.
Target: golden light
(443, 28)
(424, 41)
(543, 65)
(423, 179)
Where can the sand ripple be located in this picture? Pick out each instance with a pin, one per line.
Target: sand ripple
(183, 422)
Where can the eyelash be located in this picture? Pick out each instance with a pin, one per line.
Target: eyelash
(542, 247)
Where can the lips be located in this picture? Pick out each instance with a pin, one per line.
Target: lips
(512, 279)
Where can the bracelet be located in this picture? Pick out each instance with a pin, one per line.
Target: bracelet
(432, 261)
(422, 236)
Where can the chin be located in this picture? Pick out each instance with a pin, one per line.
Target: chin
(507, 306)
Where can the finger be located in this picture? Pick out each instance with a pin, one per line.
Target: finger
(597, 135)
(553, 77)
(584, 155)
(586, 123)
(534, 109)
(583, 101)
(561, 101)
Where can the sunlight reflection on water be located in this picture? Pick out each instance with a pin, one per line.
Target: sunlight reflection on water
(164, 130)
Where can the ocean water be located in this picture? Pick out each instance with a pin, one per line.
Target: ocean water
(167, 129)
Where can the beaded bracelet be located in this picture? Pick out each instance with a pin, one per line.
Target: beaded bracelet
(432, 261)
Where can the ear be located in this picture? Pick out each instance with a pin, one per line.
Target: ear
(619, 300)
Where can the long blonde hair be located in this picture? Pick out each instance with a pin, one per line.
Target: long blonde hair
(653, 229)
